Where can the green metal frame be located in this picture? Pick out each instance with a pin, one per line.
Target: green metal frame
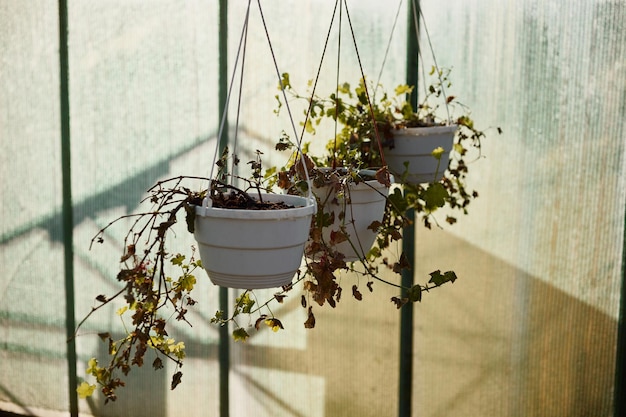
(224, 336)
(405, 383)
(68, 216)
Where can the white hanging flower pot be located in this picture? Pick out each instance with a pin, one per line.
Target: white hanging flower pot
(353, 207)
(415, 146)
(251, 249)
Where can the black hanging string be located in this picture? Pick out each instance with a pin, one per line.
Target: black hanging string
(382, 66)
(367, 95)
(416, 16)
(337, 86)
(243, 62)
(244, 31)
(319, 69)
(299, 142)
(371, 109)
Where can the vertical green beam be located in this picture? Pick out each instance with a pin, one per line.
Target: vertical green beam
(68, 219)
(405, 383)
(224, 336)
(619, 399)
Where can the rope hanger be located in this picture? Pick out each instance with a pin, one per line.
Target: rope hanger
(241, 53)
(342, 4)
(416, 15)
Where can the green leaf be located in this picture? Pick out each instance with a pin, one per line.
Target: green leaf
(178, 259)
(415, 293)
(435, 196)
(187, 282)
(397, 200)
(450, 276)
(437, 278)
(344, 88)
(218, 318)
(245, 303)
(240, 334)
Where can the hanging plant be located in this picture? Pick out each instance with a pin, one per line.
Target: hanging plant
(339, 241)
(394, 116)
(225, 220)
(336, 244)
(326, 238)
(252, 241)
(152, 296)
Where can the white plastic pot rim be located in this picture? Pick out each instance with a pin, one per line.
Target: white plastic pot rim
(303, 206)
(424, 131)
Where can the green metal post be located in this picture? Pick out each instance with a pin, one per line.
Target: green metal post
(68, 218)
(224, 336)
(405, 384)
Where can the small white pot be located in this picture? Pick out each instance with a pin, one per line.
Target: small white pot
(251, 249)
(415, 145)
(355, 209)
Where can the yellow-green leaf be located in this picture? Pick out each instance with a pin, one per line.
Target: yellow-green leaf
(178, 259)
(309, 127)
(274, 324)
(240, 334)
(85, 390)
(284, 81)
(403, 89)
(187, 282)
(92, 366)
(435, 196)
(437, 152)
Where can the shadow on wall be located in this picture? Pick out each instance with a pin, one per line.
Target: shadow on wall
(500, 342)
(125, 194)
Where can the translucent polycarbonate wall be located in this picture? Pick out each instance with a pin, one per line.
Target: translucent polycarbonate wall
(530, 327)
